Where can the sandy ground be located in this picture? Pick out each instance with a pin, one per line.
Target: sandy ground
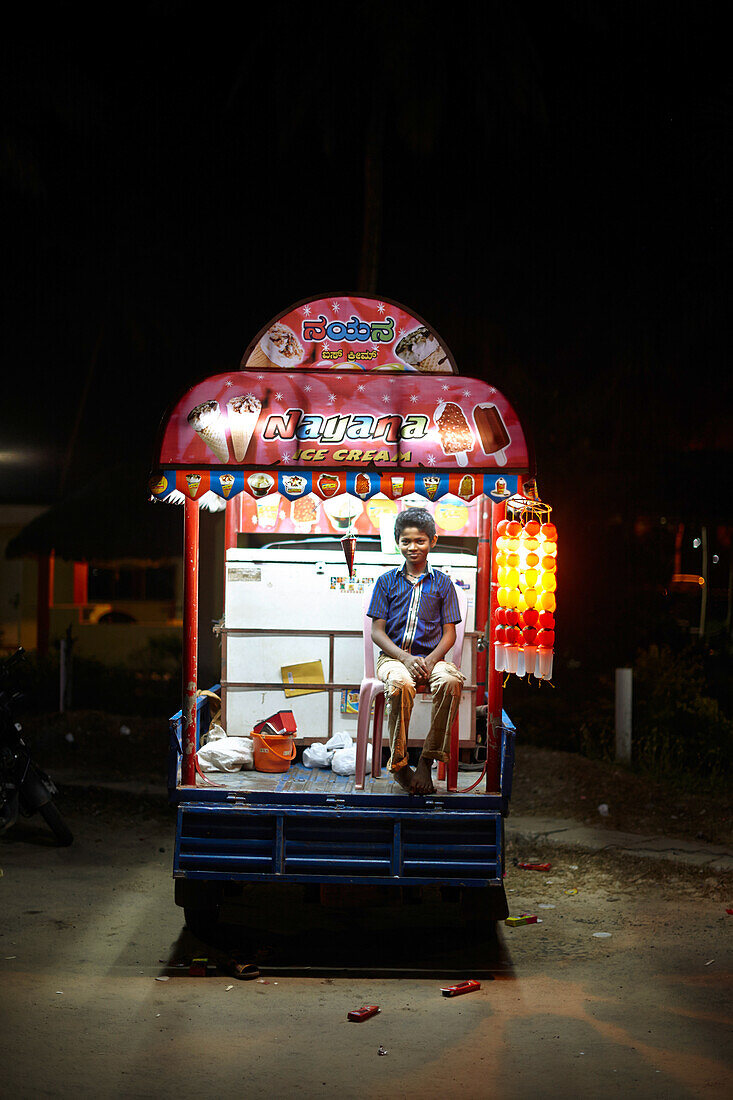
(85, 932)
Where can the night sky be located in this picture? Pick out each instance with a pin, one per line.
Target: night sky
(551, 185)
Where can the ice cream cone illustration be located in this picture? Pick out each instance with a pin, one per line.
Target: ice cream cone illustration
(420, 349)
(431, 484)
(226, 481)
(492, 432)
(242, 414)
(207, 421)
(279, 348)
(193, 481)
(456, 437)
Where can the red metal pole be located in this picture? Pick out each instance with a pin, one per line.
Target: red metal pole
(232, 521)
(493, 718)
(190, 638)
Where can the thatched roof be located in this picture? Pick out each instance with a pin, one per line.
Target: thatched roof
(109, 519)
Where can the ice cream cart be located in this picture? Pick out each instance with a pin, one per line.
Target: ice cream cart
(343, 411)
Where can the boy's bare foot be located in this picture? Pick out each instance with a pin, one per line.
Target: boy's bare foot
(422, 782)
(404, 776)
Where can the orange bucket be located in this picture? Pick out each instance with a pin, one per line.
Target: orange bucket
(272, 751)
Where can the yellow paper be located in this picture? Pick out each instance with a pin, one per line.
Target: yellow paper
(308, 672)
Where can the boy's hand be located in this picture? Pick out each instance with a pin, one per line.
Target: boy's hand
(416, 666)
(430, 662)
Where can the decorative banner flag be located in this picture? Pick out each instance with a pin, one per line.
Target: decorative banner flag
(192, 483)
(500, 488)
(432, 486)
(363, 485)
(329, 485)
(227, 483)
(162, 483)
(294, 485)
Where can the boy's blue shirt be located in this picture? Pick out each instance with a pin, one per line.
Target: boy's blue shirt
(415, 614)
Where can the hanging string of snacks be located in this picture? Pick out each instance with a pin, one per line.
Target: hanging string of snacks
(526, 561)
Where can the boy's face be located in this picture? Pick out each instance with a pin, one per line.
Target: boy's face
(415, 545)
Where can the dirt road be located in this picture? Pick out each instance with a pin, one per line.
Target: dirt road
(86, 931)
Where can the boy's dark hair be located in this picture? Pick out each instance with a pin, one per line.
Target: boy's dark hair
(414, 517)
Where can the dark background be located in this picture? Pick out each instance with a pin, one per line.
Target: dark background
(547, 185)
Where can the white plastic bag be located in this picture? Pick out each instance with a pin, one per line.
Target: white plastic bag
(340, 740)
(317, 756)
(213, 733)
(227, 754)
(344, 760)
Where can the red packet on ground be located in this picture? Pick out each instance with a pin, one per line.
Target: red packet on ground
(363, 1013)
(463, 987)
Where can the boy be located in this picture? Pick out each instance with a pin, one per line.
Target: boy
(414, 611)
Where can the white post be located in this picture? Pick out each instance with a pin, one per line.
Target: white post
(624, 677)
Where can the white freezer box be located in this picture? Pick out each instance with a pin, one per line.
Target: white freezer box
(310, 590)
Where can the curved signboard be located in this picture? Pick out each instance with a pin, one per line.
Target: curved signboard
(348, 333)
(274, 420)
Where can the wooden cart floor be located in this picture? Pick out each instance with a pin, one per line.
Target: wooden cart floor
(320, 781)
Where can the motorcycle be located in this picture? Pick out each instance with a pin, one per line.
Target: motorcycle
(24, 788)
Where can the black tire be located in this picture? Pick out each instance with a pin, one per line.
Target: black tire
(56, 824)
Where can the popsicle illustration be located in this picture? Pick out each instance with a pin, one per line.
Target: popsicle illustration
(207, 421)
(491, 431)
(456, 437)
(242, 412)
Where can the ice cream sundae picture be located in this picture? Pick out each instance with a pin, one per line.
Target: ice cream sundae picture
(343, 511)
(260, 484)
(421, 351)
(208, 423)
(278, 348)
(294, 484)
(242, 415)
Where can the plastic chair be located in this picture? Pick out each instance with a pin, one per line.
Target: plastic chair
(372, 692)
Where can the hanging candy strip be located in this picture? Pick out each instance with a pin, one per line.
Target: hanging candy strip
(526, 560)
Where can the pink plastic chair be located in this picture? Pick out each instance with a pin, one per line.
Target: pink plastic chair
(372, 691)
